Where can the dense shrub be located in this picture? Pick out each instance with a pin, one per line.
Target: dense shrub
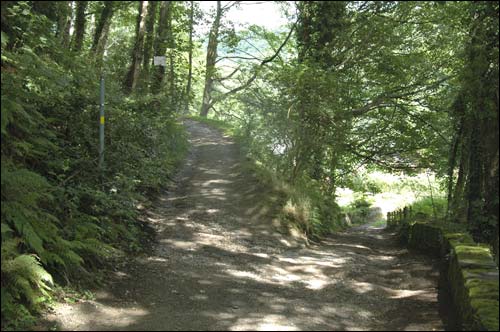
(435, 207)
(62, 218)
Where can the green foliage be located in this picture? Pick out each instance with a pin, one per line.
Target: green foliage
(303, 205)
(224, 126)
(474, 192)
(374, 85)
(25, 283)
(62, 219)
(366, 184)
(432, 207)
(360, 206)
(369, 94)
(310, 211)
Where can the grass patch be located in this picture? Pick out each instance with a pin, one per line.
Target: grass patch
(380, 223)
(225, 127)
(301, 208)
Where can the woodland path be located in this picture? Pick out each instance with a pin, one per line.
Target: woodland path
(220, 264)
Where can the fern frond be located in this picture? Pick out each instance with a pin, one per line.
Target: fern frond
(29, 266)
(26, 278)
(24, 228)
(9, 249)
(5, 230)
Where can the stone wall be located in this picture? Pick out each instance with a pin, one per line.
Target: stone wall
(469, 272)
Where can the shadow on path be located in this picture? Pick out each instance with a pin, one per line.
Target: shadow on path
(219, 264)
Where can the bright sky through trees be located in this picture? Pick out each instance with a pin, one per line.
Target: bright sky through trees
(264, 13)
(389, 104)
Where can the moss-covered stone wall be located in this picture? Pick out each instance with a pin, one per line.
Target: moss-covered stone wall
(470, 272)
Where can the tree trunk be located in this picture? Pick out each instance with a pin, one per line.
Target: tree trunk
(160, 44)
(171, 77)
(64, 23)
(320, 27)
(458, 205)
(211, 59)
(190, 59)
(148, 43)
(480, 85)
(474, 185)
(137, 52)
(102, 31)
(458, 108)
(80, 20)
(171, 60)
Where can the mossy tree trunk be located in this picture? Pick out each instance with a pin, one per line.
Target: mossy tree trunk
(190, 58)
(148, 42)
(160, 44)
(321, 25)
(477, 183)
(102, 31)
(80, 21)
(64, 22)
(210, 69)
(171, 58)
(137, 52)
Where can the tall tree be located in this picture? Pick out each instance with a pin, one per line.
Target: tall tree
(476, 113)
(213, 41)
(102, 31)
(64, 22)
(160, 43)
(149, 39)
(209, 98)
(80, 21)
(171, 57)
(320, 33)
(190, 57)
(138, 50)
(319, 30)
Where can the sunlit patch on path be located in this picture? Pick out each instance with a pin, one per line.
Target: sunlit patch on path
(219, 264)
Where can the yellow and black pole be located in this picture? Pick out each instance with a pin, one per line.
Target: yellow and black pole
(101, 126)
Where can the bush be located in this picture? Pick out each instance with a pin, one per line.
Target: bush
(366, 183)
(435, 207)
(61, 218)
(359, 210)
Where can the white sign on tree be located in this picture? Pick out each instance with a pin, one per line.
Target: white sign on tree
(160, 61)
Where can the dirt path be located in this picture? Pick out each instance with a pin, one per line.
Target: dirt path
(220, 265)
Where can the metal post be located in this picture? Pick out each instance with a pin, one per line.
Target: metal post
(101, 126)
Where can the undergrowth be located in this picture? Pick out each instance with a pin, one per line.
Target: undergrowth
(62, 219)
(303, 206)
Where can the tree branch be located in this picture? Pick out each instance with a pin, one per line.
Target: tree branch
(387, 96)
(228, 76)
(372, 158)
(229, 5)
(237, 57)
(254, 76)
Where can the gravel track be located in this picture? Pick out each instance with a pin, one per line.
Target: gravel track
(220, 264)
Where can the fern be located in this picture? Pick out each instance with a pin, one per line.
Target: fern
(25, 229)
(27, 279)
(57, 218)
(5, 230)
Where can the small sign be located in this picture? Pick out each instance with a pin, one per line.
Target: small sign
(160, 61)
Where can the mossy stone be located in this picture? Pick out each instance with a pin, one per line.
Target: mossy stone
(485, 289)
(486, 311)
(471, 273)
(480, 255)
(459, 238)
